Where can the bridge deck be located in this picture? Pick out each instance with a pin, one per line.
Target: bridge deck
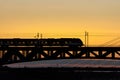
(68, 63)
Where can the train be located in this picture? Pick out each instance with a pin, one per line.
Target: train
(42, 42)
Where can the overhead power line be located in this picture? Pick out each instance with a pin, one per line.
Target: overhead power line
(111, 42)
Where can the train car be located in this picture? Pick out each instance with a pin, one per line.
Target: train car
(42, 42)
(72, 42)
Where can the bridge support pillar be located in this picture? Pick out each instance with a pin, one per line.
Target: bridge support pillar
(113, 55)
(100, 54)
(50, 53)
(87, 54)
(74, 53)
(62, 55)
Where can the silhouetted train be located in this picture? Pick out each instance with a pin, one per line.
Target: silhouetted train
(42, 42)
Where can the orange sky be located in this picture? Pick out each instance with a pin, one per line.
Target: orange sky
(60, 18)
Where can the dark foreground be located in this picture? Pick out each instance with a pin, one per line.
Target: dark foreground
(59, 73)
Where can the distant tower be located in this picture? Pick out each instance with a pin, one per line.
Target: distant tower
(38, 36)
(86, 39)
(41, 36)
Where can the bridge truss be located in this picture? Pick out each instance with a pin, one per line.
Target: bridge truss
(16, 54)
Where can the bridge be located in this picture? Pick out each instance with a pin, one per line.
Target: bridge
(20, 50)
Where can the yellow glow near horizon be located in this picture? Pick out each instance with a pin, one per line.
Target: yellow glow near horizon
(66, 17)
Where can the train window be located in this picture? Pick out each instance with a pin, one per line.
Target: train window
(23, 43)
(66, 42)
(11, 42)
(7, 42)
(54, 42)
(35, 42)
(58, 42)
(41, 42)
(19, 42)
(45, 42)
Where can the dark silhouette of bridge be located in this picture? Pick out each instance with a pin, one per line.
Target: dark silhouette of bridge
(20, 50)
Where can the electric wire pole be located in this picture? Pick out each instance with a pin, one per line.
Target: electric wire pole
(86, 39)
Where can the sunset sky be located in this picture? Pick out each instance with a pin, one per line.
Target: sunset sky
(69, 18)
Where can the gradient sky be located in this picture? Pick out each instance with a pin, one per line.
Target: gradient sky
(59, 16)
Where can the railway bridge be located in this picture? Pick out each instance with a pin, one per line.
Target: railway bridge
(20, 50)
